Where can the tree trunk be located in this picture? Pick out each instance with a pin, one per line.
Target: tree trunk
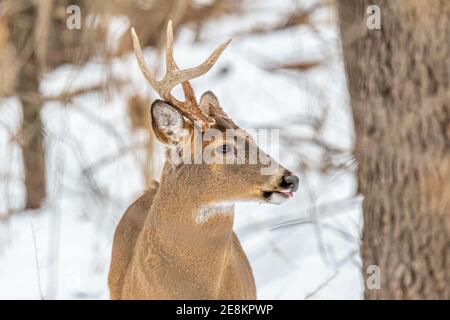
(28, 31)
(399, 83)
(33, 151)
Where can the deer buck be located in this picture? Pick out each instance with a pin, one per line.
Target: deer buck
(176, 241)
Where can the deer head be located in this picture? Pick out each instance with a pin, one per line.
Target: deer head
(229, 174)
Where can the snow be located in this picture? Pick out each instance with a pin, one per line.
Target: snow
(305, 248)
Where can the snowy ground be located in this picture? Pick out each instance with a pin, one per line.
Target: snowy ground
(306, 248)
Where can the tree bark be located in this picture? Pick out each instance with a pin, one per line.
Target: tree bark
(33, 150)
(28, 33)
(399, 84)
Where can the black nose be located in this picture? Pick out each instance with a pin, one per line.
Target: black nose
(289, 181)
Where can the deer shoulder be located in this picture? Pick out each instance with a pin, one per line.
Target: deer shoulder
(125, 238)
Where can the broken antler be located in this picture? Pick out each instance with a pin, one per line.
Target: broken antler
(174, 76)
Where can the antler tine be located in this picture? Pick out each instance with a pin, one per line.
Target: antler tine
(141, 62)
(196, 72)
(191, 73)
(170, 61)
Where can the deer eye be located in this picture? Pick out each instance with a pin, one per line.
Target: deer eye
(225, 148)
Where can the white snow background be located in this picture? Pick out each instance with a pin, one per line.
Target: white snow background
(305, 248)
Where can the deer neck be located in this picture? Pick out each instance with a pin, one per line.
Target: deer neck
(188, 229)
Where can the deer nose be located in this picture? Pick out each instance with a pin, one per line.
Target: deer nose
(290, 182)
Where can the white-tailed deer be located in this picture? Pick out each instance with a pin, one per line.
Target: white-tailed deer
(177, 241)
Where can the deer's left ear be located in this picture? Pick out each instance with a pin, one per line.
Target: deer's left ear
(168, 123)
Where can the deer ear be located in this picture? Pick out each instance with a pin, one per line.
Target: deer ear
(168, 123)
(209, 102)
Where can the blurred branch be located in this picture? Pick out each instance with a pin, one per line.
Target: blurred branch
(69, 96)
(324, 211)
(12, 7)
(43, 20)
(297, 66)
(36, 261)
(292, 19)
(122, 151)
(344, 261)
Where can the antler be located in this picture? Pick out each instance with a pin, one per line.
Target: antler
(174, 76)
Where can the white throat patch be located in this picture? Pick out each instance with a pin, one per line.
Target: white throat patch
(209, 211)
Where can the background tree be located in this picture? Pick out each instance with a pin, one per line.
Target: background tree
(38, 35)
(399, 83)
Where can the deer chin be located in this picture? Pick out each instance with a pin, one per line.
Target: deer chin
(277, 197)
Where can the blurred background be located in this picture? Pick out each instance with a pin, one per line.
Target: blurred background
(76, 146)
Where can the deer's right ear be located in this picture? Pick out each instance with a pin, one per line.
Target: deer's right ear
(209, 102)
(168, 123)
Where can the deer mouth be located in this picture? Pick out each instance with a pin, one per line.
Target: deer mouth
(277, 197)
